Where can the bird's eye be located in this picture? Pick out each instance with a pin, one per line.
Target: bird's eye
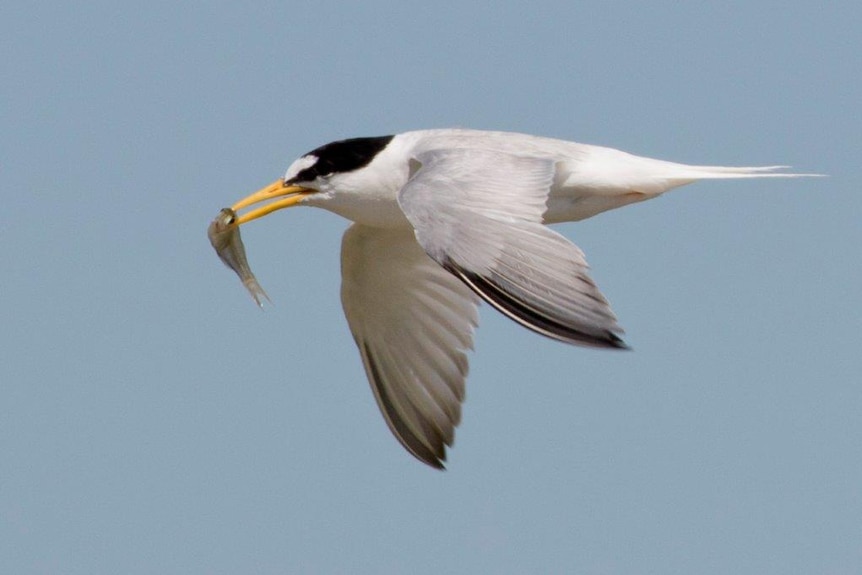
(309, 175)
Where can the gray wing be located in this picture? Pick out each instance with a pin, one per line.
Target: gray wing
(413, 323)
(478, 213)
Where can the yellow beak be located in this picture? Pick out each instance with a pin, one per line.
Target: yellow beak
(289, 196)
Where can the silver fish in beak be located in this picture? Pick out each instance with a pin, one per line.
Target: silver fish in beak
(224, 236)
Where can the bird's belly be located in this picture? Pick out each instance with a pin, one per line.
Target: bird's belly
(572, 206)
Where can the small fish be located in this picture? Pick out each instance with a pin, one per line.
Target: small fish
(225, 239)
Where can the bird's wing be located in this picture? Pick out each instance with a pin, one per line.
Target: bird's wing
(413, 323)
(478, 213)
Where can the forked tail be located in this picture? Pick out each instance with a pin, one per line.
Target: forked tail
(686, 172)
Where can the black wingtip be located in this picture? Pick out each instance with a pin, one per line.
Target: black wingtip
(416, 447)
(615, 342)
(530, 317)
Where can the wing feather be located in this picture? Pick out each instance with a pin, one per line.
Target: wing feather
(478, 213)
(413, 323)
(392, 414)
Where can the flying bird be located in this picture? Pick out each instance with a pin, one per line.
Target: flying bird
(443, 219)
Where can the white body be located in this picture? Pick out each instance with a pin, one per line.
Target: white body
(446, 217)
(588, 179)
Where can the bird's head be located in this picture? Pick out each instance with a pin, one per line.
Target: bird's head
(320, 171)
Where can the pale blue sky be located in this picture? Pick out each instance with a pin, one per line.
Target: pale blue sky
(152, 420)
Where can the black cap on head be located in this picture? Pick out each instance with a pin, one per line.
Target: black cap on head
(342, 156)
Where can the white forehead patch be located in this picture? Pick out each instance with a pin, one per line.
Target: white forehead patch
(302, 163)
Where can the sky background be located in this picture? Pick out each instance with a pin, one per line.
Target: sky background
(152, 420)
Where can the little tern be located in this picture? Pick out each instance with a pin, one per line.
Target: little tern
(443, 219)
